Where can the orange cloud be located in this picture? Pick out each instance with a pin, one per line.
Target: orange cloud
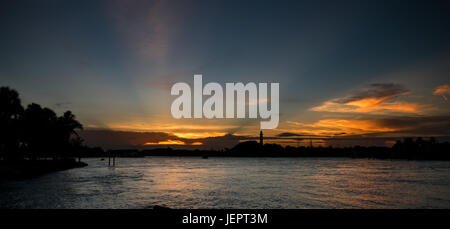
(386, 126)
(377, 99)
(354, 126)
(374, 106)
(199, 135)
(442, 90)
(167, 142)
(341, 127)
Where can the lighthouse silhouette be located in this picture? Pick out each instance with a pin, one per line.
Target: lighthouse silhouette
(261, 138)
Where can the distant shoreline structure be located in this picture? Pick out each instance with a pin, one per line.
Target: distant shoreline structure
(410, 149)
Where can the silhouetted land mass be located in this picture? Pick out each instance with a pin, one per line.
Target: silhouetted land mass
(410, 149)
(28, 135)
(22, 169)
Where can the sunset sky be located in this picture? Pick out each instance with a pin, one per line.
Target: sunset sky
(349, 72)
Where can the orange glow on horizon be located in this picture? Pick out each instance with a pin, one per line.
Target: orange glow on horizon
(167, 142)
(142, 126)
(173, 142)
(199, 135)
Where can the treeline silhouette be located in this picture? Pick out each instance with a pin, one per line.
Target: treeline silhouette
(419, 149)
(35, 132)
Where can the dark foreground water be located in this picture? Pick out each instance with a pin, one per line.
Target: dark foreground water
(191, 182)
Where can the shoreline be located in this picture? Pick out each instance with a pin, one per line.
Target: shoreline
(26, 169)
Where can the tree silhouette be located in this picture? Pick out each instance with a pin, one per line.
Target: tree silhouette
(65, 129)
(37, 130)
(10, 113)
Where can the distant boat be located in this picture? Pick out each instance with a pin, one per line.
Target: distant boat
(102, 159)
(205, 156)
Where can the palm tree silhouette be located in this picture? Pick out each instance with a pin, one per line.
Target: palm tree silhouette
(36, 130)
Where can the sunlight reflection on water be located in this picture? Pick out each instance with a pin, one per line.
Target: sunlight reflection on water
(191, 182)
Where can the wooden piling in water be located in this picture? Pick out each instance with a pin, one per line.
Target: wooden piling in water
(113, 156)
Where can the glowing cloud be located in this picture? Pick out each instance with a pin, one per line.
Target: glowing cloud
(442, 90)
(385, 126)
(167, 142)
(376, 99)
(333, 127)
(199, 135)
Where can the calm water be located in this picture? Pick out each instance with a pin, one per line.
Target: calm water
(237, 183)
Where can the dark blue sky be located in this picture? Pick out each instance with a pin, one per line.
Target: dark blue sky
(113, 62)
